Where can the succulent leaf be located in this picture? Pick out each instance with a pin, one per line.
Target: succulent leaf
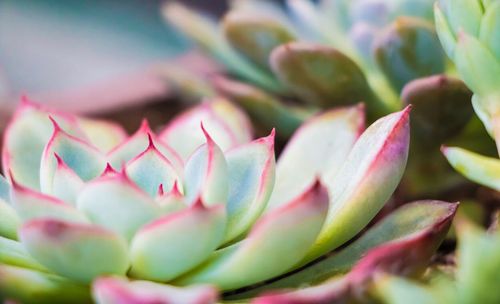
(268, 250)
(478, 67)
(204, 31)
(318, 148)
(66, 184)
(14, 254)
(30, 204)
(408, 49)
(404, 223)
(320, 75)
(160, 250)
(77, 251)
(255, 35)
(227, 125)
(111, 290)
(435, 100)
(139, 142)
(251, 171)
(84, 159)
(368, 177)
(25, 139)
(205, 174)
(489, 33)
(34, 287)
(481, 169)
(10, 221)
(150, 169)
(404, 256)
(264, 109)
(116, 203)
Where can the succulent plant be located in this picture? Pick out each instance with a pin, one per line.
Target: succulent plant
(333, 53)
(286, 65)
(197, 207)
(469, 32)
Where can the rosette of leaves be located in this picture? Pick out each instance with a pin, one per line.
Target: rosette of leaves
(175, 216)
(318, 56)
(470, 34)
(284, 65)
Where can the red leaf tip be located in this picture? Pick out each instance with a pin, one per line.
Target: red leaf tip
(56, 126)
(160, 190)
(109, 170)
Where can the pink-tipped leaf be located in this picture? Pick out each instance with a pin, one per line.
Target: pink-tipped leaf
(251, 170)
(176, 243)
(116, 203)
(205, 174)
(273, 246)
(113, 290)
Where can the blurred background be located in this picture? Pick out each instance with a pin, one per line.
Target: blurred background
(87, 55)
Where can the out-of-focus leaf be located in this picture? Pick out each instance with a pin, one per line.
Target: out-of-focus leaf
(408, 49)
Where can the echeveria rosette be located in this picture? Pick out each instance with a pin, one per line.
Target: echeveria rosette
(188, 206)
(470, 34)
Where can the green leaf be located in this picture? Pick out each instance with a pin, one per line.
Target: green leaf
(150, 169)
(251, 171)
(320, 75)
(160, 250)
(84, 159)
(481, 169)
(10, 221)
(317, 149)
(440, 108)
(265, 110)
(408, 49)
(33, 287)
(268, 250)
(14, 254)
(205, 174)
(30, 204)
(489, 33)
(77, 251)
(366, 180)
(478, 68)
(116, 203)
(407, 221)
(255, 35)
(227, 125)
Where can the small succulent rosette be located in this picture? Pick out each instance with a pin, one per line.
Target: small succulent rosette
(199, 207)
(470, 34)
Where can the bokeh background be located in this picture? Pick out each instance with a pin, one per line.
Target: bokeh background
(84, 55)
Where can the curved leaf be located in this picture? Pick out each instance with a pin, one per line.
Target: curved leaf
(150, 169)
(366, 180)
(115, 202)
(318, 148)
(269, 250)
(159, 251)
(251, 180)
(481, 169)
(84, 159)
(228, 126)
(205, 174)
(77, 251)
(66, 184)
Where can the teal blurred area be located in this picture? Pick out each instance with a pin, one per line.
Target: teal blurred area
(55, 50)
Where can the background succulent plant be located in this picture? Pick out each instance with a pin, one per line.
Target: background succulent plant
(469, 32)
(190, 207)
(286, 65)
